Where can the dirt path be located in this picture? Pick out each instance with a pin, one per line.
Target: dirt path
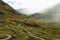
(7, 36)
(30, 34)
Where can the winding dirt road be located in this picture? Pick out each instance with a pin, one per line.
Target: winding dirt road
(30, 34)
(8, 36)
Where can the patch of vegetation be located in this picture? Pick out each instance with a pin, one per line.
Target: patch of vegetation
(23, 32)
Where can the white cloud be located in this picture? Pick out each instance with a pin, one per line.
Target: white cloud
(35, 5)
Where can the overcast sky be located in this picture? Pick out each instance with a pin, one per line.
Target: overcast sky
(32, 6)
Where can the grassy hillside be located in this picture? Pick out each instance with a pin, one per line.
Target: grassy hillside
(7, 12)
(15, 26)
(22, 31)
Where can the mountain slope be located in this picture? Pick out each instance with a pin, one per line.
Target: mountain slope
(37, 15)
(7, 12)
(54, 13)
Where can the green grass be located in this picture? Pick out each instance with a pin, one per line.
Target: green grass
(44, 31)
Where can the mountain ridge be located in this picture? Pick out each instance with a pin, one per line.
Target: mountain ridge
(9, 13)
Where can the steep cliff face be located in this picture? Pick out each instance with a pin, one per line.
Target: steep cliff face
(8, 13)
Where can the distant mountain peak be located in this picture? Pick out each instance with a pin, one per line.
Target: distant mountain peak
(37, 15)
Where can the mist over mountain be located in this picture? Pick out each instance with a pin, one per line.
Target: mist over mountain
(37, 16)
(27, 11)
(51, 15)
(54, 12)
(23, 11)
